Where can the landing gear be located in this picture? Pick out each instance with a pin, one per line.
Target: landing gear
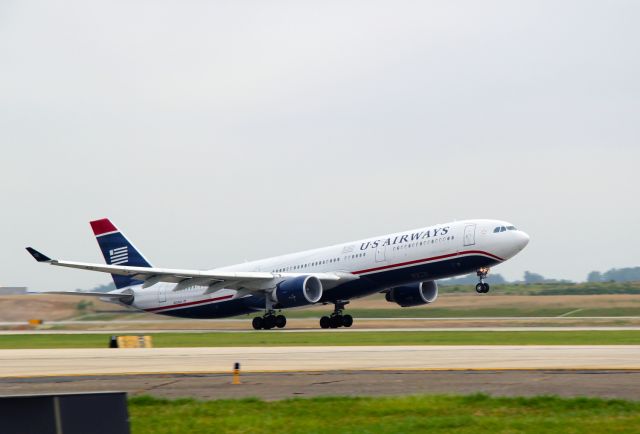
(281, 321)
(270, 319)
(482, 287)
(337, 319)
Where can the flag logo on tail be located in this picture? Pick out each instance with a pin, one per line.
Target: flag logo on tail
(119, 255)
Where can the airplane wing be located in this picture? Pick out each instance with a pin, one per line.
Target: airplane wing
(251, 280)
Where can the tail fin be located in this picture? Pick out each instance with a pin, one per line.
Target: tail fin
(117, 250)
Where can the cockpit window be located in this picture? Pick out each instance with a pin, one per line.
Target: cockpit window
(504, 229)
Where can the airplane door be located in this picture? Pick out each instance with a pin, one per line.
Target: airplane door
(381, 252)
(162, 294)
(469, 235)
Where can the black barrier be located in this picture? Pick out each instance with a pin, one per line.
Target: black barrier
(72, 413)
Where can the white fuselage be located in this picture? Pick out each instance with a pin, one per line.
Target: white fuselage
(425, 254)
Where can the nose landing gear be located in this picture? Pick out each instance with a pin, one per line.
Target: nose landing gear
(337, 319)
(482, 287)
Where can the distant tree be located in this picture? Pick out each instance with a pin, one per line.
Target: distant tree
(100, 288)
(533, 277)
(594, 277)
(622, 275)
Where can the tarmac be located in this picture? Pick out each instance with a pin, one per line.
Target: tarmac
(99, 361)
(619, 384)
(305, 371)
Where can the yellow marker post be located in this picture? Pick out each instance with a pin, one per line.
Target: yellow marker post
(236, 373)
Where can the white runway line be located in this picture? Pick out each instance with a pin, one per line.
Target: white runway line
(20, 363)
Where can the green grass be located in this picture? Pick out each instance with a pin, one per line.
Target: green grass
(410, 414)
(275, 338)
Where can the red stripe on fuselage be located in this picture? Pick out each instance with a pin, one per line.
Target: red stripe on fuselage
(191, 303)
(434, 258)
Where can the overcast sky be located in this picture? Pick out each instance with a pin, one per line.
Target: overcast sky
(213, 132)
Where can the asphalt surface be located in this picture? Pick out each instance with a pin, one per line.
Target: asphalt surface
(272, 386)
(96, 361)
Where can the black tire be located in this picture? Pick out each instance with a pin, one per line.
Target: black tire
(335, 321)
(325, 322)
(269, 322)
(347, 320)
(485, 288)
(281, 321)
(480, 288)
(257, 323)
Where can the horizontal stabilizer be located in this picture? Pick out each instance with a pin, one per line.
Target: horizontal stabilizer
(82, 293)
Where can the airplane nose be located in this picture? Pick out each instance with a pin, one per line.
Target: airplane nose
(523, 239)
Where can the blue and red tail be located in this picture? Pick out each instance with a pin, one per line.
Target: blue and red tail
(117, 250)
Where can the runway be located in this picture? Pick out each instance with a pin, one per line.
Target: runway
(64, 362)
(280, 385)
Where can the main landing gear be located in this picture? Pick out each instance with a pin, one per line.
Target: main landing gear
(337, 319)
(482, 287)
(268, 321)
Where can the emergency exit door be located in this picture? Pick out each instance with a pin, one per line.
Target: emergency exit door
(469, 235)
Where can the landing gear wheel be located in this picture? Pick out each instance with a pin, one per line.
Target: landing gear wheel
(281, 321)
(347, 320)
(335, 321)
(482, 287)
(257, 323)
(269, 322)
(325, 322)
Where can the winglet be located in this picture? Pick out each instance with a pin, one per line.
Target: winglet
(37, 255)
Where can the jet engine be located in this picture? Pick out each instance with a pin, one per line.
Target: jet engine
(299, 291)
(128, 296)
(413, 295)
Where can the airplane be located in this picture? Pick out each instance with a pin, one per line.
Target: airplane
(403, 265)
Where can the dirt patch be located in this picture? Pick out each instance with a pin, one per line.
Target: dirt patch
(47, 307)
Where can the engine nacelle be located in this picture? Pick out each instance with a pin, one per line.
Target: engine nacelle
(128, 296)
(299, 291)
(413, 295)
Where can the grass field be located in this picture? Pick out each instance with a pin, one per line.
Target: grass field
(459, 414)
(274, 338)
